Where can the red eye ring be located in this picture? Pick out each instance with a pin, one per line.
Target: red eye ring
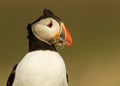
(50, 24)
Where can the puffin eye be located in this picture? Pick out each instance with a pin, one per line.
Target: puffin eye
(50, 24)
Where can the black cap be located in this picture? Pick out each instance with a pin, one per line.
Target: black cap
(48, 14)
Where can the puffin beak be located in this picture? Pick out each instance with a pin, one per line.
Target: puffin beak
(68, 37)
(65, 36)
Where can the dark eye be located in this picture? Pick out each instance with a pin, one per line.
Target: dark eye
(50, 24)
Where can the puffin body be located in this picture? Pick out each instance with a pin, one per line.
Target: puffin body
(43, 65)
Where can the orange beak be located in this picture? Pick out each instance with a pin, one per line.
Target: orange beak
(68, 37)
(63, 38)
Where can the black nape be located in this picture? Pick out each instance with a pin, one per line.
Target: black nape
(36, 44)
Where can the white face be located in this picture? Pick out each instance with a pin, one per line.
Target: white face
(46, 29)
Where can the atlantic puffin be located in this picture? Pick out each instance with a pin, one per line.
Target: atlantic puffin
(43, 65)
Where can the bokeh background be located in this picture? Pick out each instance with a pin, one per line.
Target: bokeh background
(94, 58)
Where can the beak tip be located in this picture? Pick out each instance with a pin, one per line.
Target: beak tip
(69, 40)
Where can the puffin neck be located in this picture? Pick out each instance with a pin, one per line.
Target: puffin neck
(36, 44)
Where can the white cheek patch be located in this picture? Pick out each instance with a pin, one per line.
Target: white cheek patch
(43, 32)
(40, 33)
(55, 29)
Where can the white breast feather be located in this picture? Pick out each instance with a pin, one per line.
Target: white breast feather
(41, 68)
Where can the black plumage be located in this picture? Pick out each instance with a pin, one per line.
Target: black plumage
(11, 76)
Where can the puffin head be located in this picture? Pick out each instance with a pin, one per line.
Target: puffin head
(51, 30)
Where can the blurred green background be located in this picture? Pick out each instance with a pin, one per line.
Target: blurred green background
(94, 58)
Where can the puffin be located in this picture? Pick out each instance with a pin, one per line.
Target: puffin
(43, 65)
